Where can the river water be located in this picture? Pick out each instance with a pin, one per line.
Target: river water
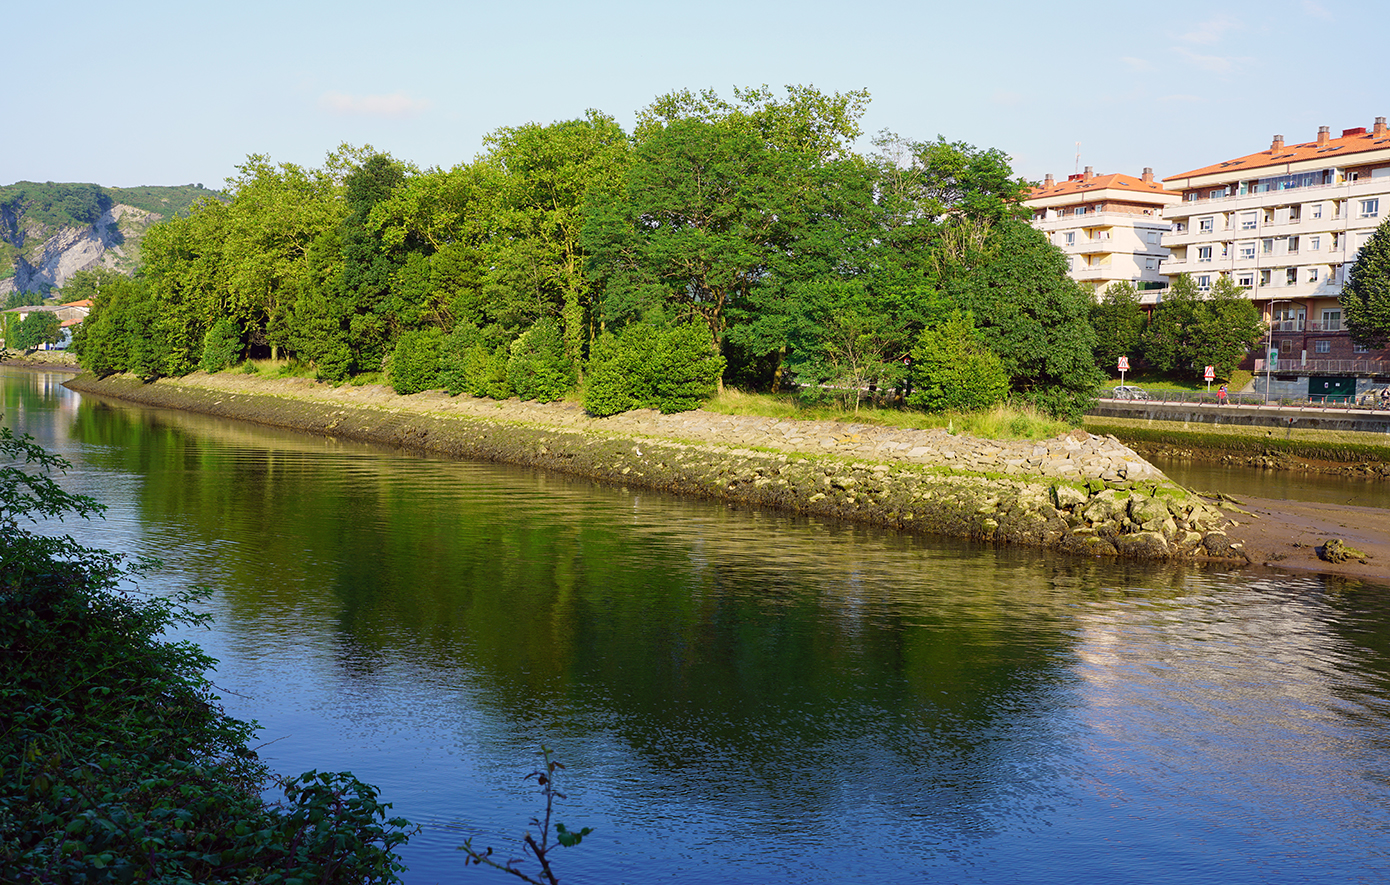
(740, 695)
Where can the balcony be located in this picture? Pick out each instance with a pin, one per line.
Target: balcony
(1324, 367)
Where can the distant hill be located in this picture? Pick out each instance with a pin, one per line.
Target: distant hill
(50, 231)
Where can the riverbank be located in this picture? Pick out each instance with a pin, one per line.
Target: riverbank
(1332, 452)
(1078, 492)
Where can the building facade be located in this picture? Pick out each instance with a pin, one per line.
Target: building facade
(1286, 225)
(1110, 227)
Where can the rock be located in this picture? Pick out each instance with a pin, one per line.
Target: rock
(1143, 509)
(1218, 545)
(1335, 550)
(1143, 545)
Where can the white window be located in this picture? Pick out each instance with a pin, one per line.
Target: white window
(1267, 247)
(1247, 250)
(1247, 220)
(1360, 348)
(1204, 282)
(1153, 238)
(1294, 213)
(1218, 193)
(1315, 243)
(1149, 264)
(1312, 274)
(1293, 246)
(1370, 208)
(1322, 346)
(1205, 225)
(1245, 280)
(1332, 321)
(1070, 237)
(1315, 211)
(1204, 253)
(1291, 276)
(1264, 278)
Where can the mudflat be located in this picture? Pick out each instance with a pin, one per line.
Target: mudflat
(1288, 535)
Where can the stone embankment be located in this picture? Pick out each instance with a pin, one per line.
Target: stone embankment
(1078, 492)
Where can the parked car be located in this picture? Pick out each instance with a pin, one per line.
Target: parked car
(1128, 391)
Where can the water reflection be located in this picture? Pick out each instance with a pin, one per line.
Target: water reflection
(744, 695)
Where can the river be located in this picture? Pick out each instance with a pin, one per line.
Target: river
(741, 695)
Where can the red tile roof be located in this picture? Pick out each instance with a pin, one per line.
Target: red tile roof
(1353, 141)
(1077, 184)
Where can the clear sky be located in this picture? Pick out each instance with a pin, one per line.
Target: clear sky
(154, 92)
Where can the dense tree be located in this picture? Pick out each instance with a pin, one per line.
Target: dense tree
(1366, 296)
(1119, 324)
(40, 327)
(1167, 335)
(1227, 325)
(1030, 313)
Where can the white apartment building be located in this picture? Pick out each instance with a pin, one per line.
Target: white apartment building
(1286, 224)
(1109, 226)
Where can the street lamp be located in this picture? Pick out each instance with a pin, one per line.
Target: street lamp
(1269, 343)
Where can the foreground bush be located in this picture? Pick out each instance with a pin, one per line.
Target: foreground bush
(670, 369)
(116, 763)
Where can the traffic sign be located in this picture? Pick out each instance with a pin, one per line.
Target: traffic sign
(1210, 373)
(1124, 364)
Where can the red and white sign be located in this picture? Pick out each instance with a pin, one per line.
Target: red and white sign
(1210, 373)
(1124, 364)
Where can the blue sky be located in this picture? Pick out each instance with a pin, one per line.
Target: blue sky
(125, 94)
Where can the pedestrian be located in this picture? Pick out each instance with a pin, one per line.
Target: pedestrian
(1221, 395)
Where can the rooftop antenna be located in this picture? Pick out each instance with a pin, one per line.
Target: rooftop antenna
(1077, 170)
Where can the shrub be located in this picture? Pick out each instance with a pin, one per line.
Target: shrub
(116, 762)
(538, 367)
(415, 362)
(221, 345)
(455, 358)
(670, 369)
(953, 370)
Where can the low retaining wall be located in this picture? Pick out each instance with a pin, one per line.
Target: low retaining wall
(1284, 417)
(1078, 492)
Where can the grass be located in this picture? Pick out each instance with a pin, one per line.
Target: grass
(1155, 381)
(276, 369)
(1001, 422)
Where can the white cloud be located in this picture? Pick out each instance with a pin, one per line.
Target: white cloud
(397, 105)
(1210, 31)
(1217, 64)
(1138, 64)
(1006, 98)
(1316, 10)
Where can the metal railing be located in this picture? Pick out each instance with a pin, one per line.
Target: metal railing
(1324, 367)
(1368, 401)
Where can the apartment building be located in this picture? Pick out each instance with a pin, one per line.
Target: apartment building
(1109, 226)
(1286, 224)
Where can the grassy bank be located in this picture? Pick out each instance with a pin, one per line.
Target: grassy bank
(1236, 439)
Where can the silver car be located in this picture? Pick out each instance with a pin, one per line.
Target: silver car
(1127, 391)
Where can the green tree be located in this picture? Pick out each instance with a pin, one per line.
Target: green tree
(415, 361)
(1030, 313)
(953, 370)
(703, 212)
(1167, 339)
(539, 367)
(643, 366)
(40, 327)
(1119, 324)
(1227, 325)
(1366, 296)
(221, 346)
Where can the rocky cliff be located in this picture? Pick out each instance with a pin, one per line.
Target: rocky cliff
(47, 257)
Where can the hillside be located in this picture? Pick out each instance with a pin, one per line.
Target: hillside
(50, 231)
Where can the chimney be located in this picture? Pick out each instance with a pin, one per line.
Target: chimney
(1047, 180)
(1278, 143)
(1380, 126)
(1148, 174)
(1324, 134)
(1089, 173)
